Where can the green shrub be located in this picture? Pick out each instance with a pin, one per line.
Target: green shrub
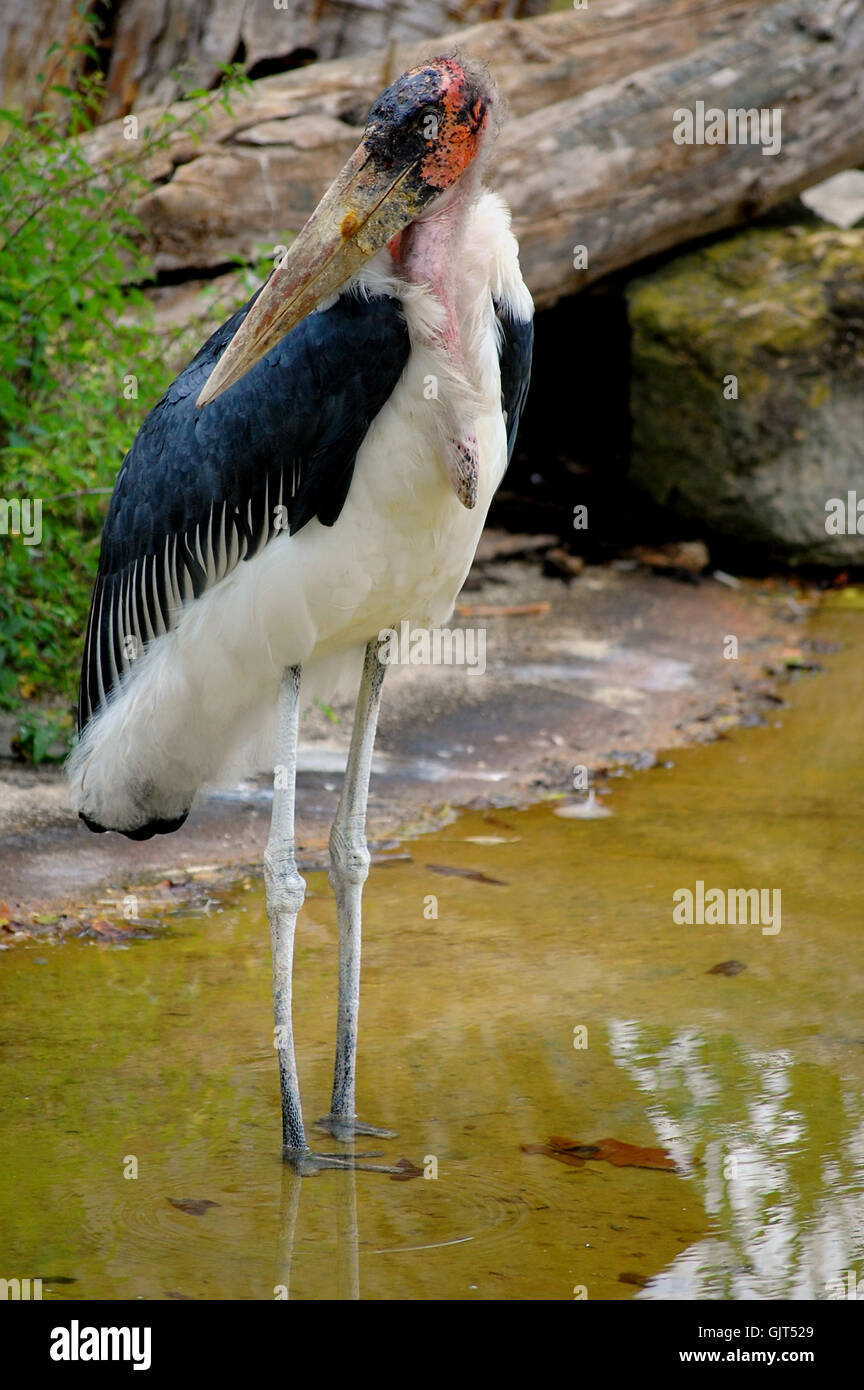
(75, 330)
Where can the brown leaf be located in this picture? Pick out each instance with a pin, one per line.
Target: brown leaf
(640, 1280)
(450, 871)
(613, 1151)
(112, 931)
(727, 967)
(550, 1151)
(409, 1171)
(193, 1206)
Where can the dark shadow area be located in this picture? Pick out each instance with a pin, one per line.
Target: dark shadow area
(574, 442)
(269, 67)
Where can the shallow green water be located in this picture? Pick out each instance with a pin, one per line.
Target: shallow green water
(161, 1051)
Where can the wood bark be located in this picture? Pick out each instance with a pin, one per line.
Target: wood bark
(27, 31)
(586, 156)
(155, 49)
(157, 40)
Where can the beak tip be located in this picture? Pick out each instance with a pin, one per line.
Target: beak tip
(211, 389)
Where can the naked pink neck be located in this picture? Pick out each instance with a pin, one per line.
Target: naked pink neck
(424, 254)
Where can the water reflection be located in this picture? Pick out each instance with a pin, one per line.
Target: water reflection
(346, 1253)
(757, 1131)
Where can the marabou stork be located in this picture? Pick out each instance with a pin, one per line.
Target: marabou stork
(318, 473)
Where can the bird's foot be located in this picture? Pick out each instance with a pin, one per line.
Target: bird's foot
(307, 1164)
(345, 1128)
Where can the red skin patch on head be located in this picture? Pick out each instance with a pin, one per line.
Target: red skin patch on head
(458, 140)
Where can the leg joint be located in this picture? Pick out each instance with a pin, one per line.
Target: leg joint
(349, 856)
(286, 887)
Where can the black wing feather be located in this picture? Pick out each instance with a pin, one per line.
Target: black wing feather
(517, 345)
(197, 491)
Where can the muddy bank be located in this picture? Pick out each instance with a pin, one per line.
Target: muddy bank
(601, 672)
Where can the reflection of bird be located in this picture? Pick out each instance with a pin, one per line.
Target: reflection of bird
(319, 472)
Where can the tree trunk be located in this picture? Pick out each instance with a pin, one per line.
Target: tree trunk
(156, 48)
(587, 156)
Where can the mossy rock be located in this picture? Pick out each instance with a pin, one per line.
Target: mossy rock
(780, 310)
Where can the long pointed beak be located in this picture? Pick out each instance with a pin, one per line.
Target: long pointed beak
(361, 212)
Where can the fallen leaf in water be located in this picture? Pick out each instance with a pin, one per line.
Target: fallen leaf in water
(640, 1280)
(727, 967)
(621, 1154)
(409, 1171)
(574, 1152)
(118, 931)
(551, 1152)
(474, 874)
(193, 1206)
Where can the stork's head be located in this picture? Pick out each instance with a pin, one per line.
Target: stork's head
(429, 125)
(423, 134)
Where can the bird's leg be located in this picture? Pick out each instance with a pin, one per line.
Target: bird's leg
(349, 868)
(285, 893)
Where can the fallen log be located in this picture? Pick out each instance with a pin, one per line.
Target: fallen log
(156, 49)
(589, 157)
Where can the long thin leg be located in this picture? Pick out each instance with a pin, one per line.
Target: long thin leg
(349, 860)
(285, 893)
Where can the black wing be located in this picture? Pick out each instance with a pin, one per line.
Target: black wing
(517, 345)
(202, 489)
